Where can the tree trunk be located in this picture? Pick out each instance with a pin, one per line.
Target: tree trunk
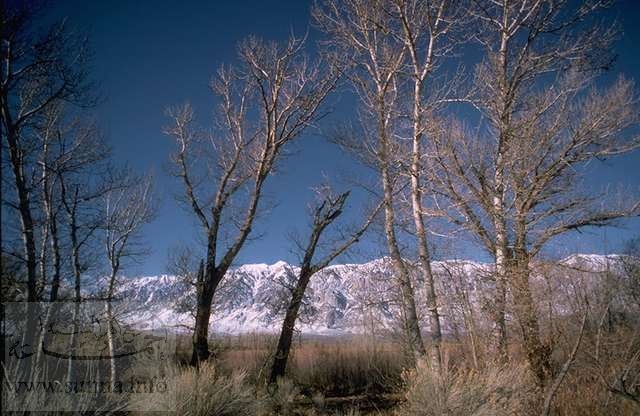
(52, 309)
(537, 352)
(27, 230)
(499, 194)
(42, 280)
(286, 335)
(427, 274)
(470, 321)
(201, 331)
(73, 343)
(113, 368)
(57, 261)
(412, 325)
(77, 273)
(207, 285)
(421, 235)
(49, 236)
(500, 329)
(24, 208)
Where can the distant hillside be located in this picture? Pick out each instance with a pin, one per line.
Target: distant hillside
(355, 298)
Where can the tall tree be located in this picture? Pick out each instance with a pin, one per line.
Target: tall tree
(50, 157)
(70, 149)
(545, 119)
(265, 103)
(359, 34)
(427, 30)
(39, 70)
(390, 51)
(85, 179)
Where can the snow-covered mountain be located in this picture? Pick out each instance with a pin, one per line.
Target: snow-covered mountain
(341, 299)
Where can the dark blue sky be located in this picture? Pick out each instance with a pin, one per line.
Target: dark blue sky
(151, 54)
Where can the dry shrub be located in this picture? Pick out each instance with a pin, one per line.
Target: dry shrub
(583, 393)
(353, 411)
(52, 393)
(499, 390)
(206, 393)
(282, 400)
(607, 357)
(40, 398)
(254, 363)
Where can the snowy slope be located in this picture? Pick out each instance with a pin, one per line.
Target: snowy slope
(342, 299)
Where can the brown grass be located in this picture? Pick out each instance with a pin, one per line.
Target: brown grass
(331, 366)
(328, 376)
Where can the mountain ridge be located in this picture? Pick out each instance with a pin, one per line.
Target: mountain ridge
(347, 298)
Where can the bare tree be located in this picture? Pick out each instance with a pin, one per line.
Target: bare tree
(71, 150)
(266, 103)
(615, 347)
(52, 157)
(56, 159)
(359, 34)
(391, 51)
(459, 301)
(514, 180)
(83, 180)
(427, 30)
(631, 265)
(126, 210)
(461, 171)
(324, 214)
(39, 70)
(184, 264)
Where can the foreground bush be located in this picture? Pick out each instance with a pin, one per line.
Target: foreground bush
(501, 390)
(206, 393)
(282, 398)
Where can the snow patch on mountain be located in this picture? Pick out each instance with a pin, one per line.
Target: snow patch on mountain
(341, 299)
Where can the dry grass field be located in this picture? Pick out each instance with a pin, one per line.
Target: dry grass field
(362, 376)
